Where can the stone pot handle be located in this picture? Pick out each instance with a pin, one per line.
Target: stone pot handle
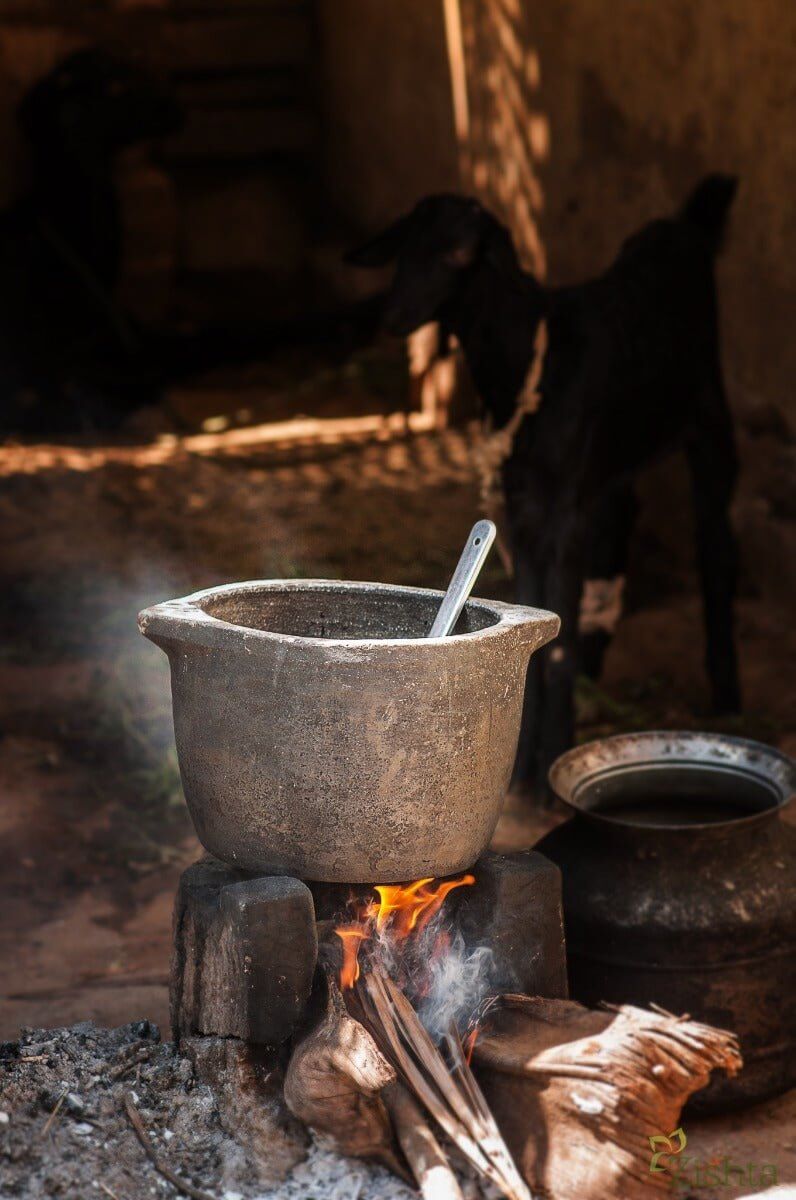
(535, 627)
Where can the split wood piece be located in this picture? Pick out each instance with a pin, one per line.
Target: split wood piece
(426, 1092)
(457, 1107)
(339, 1083)
(334, 1084)
(578, 1093)
(478, 1114)
(428, 1161)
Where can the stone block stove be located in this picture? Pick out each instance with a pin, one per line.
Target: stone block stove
(246, 946)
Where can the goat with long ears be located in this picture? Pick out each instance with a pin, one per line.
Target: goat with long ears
(628, 370)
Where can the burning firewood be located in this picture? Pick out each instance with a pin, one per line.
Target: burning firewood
(399, 1075)
(339, 1083)
(334, 1084)
(575, 1094)
(400, 934)
(578, 1093)
(448, 1093)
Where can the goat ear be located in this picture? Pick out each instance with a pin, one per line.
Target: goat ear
(382, 249)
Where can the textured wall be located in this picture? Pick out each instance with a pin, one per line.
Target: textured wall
(587, 120)
(621, 108)
(231, 194)
(386, 103)
(644, 97)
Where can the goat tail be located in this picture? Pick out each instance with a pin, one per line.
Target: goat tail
(708, 206)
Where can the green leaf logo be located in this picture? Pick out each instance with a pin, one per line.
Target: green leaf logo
(663, 1146)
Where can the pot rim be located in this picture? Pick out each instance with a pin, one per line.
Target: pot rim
(667, 747)
(163, 621)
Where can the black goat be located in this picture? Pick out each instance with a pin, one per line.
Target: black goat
(631, 371)
(60, 243)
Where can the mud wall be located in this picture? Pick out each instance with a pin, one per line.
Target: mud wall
(229, 192)
(587, 120)
(385, 93)
(639, 100)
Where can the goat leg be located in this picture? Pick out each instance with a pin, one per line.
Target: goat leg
(711, 457)
(610, 523)
(563, 589)
(528, 590)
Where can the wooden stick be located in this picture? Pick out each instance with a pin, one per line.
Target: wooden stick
(422, 1151)
(428, 1052)
(453, 1100)
(429, 1061)
(55, 1111)
(181, 1184)
(494, 1145)
(122, 1068)
(478, 1118)
(383, 1028)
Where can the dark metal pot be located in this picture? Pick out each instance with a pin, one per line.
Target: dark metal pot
(321, 734)
(679, 889)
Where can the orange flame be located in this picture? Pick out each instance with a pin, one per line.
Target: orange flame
(413, 906)
(351, 936)
(469, 1044)
(407, 909)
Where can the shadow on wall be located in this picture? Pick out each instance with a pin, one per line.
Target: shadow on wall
(500, 136)
(506, 136)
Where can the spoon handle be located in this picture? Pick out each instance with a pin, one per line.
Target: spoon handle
(476, 548)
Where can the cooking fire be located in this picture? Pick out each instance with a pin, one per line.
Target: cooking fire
(480, 913)
(426, 1020)
(410, 983)
(397, 919)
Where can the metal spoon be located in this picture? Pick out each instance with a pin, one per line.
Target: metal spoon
(476, 548)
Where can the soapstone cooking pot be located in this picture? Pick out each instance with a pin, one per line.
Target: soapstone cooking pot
(321, 734)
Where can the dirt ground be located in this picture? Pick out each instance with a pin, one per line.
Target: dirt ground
(93, 831)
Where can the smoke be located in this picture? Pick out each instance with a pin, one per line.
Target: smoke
(445, 980)
(458, 983)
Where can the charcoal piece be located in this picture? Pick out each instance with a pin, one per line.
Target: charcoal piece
(514, 908)
(245, 951)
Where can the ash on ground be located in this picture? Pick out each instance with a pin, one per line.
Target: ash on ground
(213, 1110)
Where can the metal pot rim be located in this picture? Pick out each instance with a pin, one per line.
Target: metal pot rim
(186, 613)
(665, 747)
